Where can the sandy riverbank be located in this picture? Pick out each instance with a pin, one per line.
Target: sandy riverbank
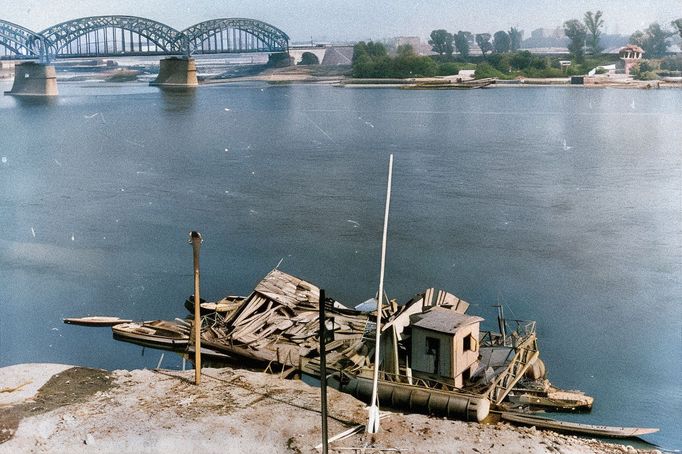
(304, 74)
(51, 408)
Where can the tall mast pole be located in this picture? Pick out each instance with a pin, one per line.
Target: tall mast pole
(373, 422)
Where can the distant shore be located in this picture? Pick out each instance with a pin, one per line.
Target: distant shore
(332, 76)
(297, 74)
(46, 408)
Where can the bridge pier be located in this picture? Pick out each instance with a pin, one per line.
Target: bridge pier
(176, 72)
(34, 79)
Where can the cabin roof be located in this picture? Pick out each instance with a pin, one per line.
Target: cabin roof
(443, 320)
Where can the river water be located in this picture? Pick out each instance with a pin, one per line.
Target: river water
(564, 205)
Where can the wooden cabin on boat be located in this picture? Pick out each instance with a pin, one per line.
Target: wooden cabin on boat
(444, 345)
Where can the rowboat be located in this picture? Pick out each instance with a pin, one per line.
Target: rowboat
(95, 321)
(576, 428)
(160, 334)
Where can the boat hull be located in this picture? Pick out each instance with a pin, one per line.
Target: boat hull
(95, 321)
(153, 335)
(576, 428)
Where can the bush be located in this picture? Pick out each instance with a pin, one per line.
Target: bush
(485, 70)
(672, 63)
(309, 58)
(370, 60)
(648, 75)
(501, 62)
(645, 70)
(646, 66)
(521, 60)
(448, 69)
(544, 73)
(279, 60)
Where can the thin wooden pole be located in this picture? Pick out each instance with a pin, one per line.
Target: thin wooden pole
(196, 240)
(373, 421)
(323, 371)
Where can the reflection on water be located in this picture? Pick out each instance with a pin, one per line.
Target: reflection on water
(34, 101)
(178, 99)
(562, 204)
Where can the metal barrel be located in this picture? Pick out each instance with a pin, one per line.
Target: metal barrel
(467, 407)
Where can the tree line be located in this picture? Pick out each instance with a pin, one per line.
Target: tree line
(584, 39)
(445, 43)
(501, 54)
(371, 60)
(584, 36)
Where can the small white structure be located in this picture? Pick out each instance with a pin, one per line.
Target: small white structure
(609, 70)
(444, 345)
(630, 54)
(466, 74)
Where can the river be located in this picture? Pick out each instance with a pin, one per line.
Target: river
(562, 204)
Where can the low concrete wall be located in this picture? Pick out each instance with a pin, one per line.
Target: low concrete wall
(34, 79)
(177, 72)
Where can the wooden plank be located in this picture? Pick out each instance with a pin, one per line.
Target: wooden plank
(428, 297)
(251, 307)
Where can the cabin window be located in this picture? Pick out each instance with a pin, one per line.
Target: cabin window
(432, 354)
(466, 375)
(469, 343)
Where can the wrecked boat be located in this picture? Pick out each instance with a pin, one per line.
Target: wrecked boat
(434, 358)
(225, 305)
(161, 334)
(572, 427)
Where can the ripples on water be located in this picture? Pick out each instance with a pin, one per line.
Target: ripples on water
(563, 204)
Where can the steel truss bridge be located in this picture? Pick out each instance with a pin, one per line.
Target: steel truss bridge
(109, 36)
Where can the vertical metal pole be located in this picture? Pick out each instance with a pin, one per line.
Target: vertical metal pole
(323, 371)
(373, 421)
(196, 240)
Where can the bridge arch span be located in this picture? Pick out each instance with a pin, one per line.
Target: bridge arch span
(97, 35)
(19, 40)
(235, 35)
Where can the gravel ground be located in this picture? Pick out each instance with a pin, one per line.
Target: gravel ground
(48, 408)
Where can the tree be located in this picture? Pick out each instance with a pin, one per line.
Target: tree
(593, 22)
(654, 40)
(483, 41)
(462, 43)
(515, 39)
(376, 49)
(501, 42)
(677, 23)
(405, 50)
(576, 32)
(521, 60)
(371, 60)
(309, 58)
(441, 42)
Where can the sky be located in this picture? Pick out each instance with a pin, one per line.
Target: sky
(352, 20)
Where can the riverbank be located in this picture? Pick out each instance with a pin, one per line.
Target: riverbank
(305, 74)
(58, 408)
